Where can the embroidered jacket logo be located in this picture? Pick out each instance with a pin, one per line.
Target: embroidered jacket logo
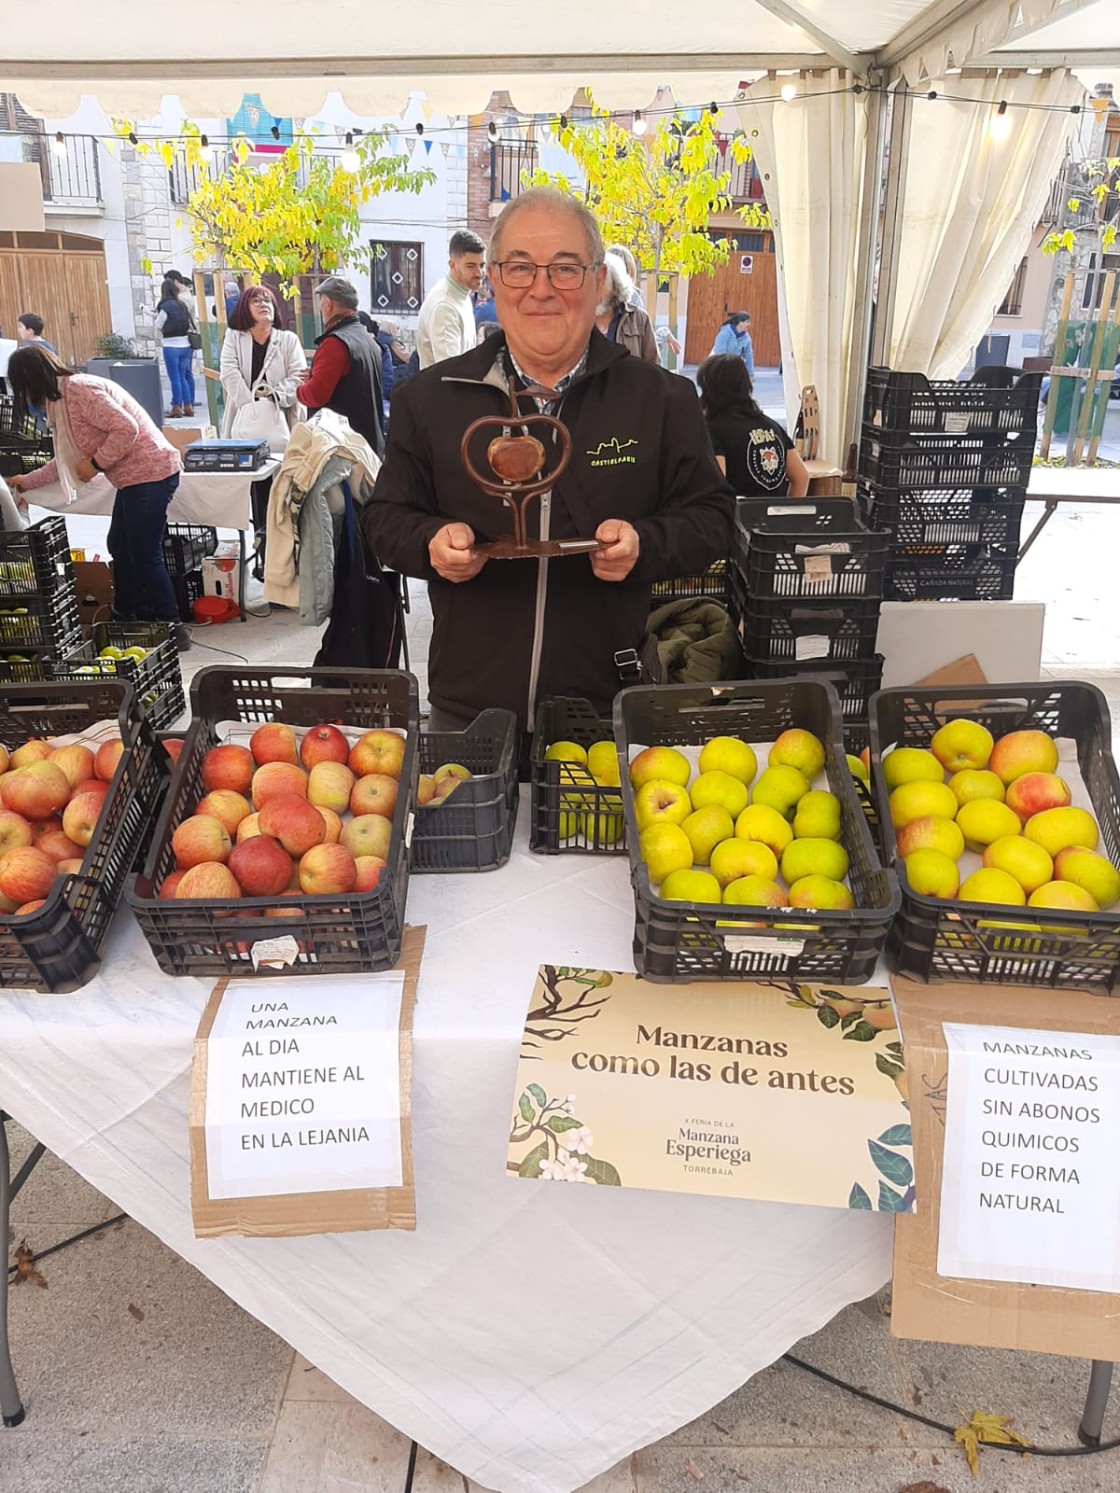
(613, 453)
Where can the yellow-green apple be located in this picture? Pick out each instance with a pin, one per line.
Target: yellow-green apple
(1064, 894)
(781, 787)
(665, 848)
(1035, 792)
(377, 752)
(992, 885)
(705, 828)
(274, 742)
(1030, 865)
(14, 830)
(36, 791)
(228, 766)
(931, 874)
(36, 750)
(59, 846)
(76, 761)
(690, 886)
(293, 821)
(603, 764)
(29, 907)
(274, 779)
(820, 892)
(962, 744)
(911, 765)
(209, 881)
(443, 788)
(603, 826)
(971, 783)
(817, 817)
(376, 793)
(1086, 869)
(658, 800)
(814, 858)
(368, 870)
(984, 820)
(167, 886)
(333, 823)
(327, 871)
(3, 758)
(329, 785)
(109, 753)
(199, 839)
(25, 873)
(369, 834)
(798, 749)
(729, 754)
(453, 771)
(857, 769)
(931, 833)
(665, 764)
(754, 891)
(248, 827)
(718, 787)
(921, 798)
(735, 859)
(323, 744)
(1020, 752)
(762, 823)
(566, 751)
(425, 789)
(230, 807)
(1058, 829)
(261, 865)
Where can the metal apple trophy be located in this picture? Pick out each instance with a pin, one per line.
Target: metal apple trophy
(517, 463)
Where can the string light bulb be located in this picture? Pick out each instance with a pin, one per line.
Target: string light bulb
(132, 140)
(492, 132)
(563, 121)
(713, 109)
(1000, 123)
(204, 141)
(419, 129)
(350, 160)
(639, 125)
(951, 67)
(58, 144)
(275, 132)
(788, 92)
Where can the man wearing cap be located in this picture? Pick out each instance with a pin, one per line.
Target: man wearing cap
(345, 373)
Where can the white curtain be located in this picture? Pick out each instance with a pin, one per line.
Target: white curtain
(810, 154)
(974, 195)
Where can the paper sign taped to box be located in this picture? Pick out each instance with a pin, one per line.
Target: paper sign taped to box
(781, 1092)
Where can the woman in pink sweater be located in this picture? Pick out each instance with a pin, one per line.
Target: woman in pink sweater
(98, 427)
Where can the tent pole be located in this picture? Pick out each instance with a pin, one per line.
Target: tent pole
(859, 352)
(897, 166)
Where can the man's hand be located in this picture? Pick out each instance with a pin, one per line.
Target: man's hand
(85, 470)
(452, 553)
(618, 550)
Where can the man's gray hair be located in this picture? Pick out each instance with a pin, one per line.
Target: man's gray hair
(549, 199)
(619, 287)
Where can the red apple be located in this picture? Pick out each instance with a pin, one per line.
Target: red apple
(211, 881)
(91, 785)
(333, 823)
(275, 778)
(374, 794)
(25, 873)
(43, 827)
(36, 791)
(168, 884)
(109, 753)
(228, 766)
(4, 758)
(29, 907)
(14, 830)
(248, 828)
(75, 761)
(377, 751)
(368, 868)
(367, 835)
(425, 789)
(297, 824)
(329, 786)
(80, 817)
(262, 866)
(71, 867)
(327, 871)
(230, 807)
(1035, 791)
(199, 840)
(274, 742)
(59, 846)
(323, 744)
(173, 746)
(36, 750)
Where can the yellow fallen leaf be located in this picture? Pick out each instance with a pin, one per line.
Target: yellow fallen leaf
(994, 1430)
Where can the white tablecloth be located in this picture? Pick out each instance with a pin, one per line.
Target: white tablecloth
(218, 498)
(531, 1336)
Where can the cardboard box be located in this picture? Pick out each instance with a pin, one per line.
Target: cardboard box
(181, 436)
(983, 1314)
(94, 582)
(221, 574)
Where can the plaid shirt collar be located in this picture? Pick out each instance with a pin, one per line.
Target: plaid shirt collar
(561, 386)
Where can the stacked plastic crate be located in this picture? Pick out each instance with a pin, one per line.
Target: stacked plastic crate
(944, 468)
(39, 620)
(185, 546)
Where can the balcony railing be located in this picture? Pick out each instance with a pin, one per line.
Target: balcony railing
(509, 165)
(69, 166)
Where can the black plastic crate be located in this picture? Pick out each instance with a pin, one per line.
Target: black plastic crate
(41, 623)
(893, 460)
(59, 947)
(42, 666)
(35, 561)
(798, 557)
(568, 813)
(947, 940)
(713, 583)
(188, 588)
(348, 934)
(965, 573)
(185, 546)
(940, 517)
(1005, 400)
(804, 516)
(854, 682)
(473, 830)
(804, 632)
(679, 941)
(157, 679)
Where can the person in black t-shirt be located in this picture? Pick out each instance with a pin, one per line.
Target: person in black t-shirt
(754, 451)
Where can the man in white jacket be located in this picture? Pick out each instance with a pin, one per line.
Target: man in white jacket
(446, 326)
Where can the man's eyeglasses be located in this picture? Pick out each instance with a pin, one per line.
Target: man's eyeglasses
(519, 274)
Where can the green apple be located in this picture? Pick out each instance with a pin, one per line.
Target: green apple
(781, 787)
(857, 769)
(909, 765)
(664, 848)
(991, 885)
(762, 823)
(754, 891)
(820, 892)
(602, 763)
(111, 652)
(814, 858)
(799, 749)
(603, 827)
(705, 829)
(931, 873)
(690, 886)
(567, 824)
(657, 800)
(136, 652)
(921, 798)
(573, 778)
(566, 751)
(962, 744)
(734, 859)
(729, 754)
(717, 787)
(661, 762)
(984, 820)
(817, 817)
(972, 783)
(1090, 871)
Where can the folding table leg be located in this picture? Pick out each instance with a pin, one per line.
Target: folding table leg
(10, 1404)
(1096, 1401)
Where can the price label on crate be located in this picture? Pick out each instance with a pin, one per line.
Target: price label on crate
(957, 423)
(811, 645)
(818, 569)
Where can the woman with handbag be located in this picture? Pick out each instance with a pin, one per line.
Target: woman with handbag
(174, 324)
(261, 367)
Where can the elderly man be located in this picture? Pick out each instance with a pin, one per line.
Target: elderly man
(345, 373)
(642, 481)
(446, 325)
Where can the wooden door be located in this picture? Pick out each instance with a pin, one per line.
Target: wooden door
(748, 282)
(42, 281)
(88, 296)
(10, 306)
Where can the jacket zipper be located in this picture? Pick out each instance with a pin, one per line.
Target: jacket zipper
(542, 597)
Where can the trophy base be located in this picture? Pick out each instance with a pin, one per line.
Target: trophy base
(535, 549)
